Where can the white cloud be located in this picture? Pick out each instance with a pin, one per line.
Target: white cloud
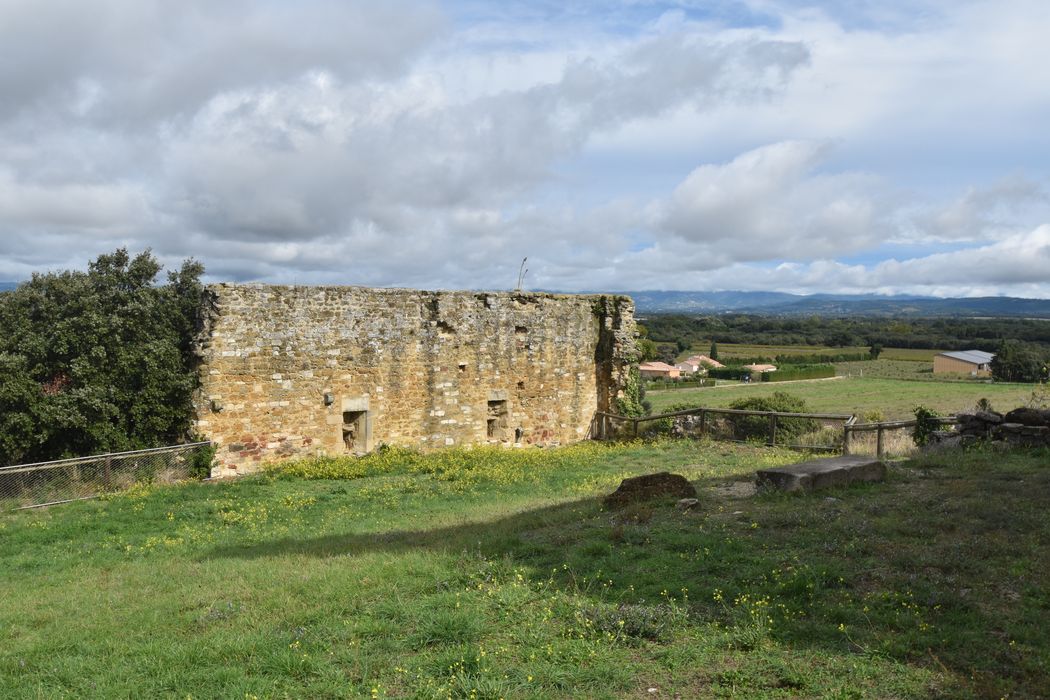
(757, 144)
(982, 213)
(770, 203)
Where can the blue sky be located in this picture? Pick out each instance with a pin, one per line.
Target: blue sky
(865, 147)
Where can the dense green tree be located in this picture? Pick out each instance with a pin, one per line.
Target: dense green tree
(713, 354)
(875, 351)
(98, 361)
(1018, 362)
(666, 352)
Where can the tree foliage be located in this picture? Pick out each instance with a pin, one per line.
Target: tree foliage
(633, 402)
(1019, 362)
(931, 333)
(98, 361)
(926, 424)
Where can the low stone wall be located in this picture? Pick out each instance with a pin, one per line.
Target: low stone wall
(1027, 427)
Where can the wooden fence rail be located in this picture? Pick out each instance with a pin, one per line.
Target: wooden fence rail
(603, 423)
(880, 430)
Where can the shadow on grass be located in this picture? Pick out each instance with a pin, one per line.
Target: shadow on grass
(926, 568)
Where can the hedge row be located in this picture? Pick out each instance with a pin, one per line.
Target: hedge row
(792, 372)
(728, 373)
(814, 359)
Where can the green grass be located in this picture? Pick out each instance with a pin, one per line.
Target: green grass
(494, 575)
(893, 369)
(894, 398)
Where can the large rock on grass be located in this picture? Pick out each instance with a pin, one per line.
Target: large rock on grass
(648, 487)
(1028, 416)
(823, 473)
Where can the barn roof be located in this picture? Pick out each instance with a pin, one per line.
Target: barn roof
(974, 357)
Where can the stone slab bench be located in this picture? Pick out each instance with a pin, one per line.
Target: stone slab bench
(817, 474)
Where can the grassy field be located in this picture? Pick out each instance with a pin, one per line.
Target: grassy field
(894, 398)
(493, 574)
(892, 369)
(731, 350)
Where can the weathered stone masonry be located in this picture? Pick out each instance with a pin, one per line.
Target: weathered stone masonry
(336, 370)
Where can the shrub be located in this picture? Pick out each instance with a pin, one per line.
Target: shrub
(746, 427)
(633, 403)
(926, 423)
(874, 416)
(202, 460)
(790, 373)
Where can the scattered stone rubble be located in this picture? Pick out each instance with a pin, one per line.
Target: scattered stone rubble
(1025, 427)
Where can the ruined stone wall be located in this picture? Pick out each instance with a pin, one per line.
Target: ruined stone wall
(335, 370)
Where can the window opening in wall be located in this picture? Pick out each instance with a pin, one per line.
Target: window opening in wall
(497, 419)
(354, 430)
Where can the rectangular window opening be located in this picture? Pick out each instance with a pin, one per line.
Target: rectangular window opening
(497, 420)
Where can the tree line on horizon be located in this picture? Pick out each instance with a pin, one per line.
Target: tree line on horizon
(854, 331)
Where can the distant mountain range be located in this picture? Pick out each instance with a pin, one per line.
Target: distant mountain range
(780, 304)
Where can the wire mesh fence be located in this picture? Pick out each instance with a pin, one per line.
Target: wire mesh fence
(80, 478)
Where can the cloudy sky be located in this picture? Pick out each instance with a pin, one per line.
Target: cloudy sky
(839, 146)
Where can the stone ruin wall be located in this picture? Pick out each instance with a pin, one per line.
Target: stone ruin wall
(296, 371)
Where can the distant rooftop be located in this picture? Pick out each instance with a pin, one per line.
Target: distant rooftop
(662, 366)
(975, 357)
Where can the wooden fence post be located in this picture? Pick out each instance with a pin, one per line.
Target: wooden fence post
(772, 429)
(879, 449)
(846, 433)
(703, 422)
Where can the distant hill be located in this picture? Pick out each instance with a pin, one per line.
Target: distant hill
(8, 286)
(780, 304)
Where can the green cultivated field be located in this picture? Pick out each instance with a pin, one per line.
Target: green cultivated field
(895, 398)
(497, 574)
